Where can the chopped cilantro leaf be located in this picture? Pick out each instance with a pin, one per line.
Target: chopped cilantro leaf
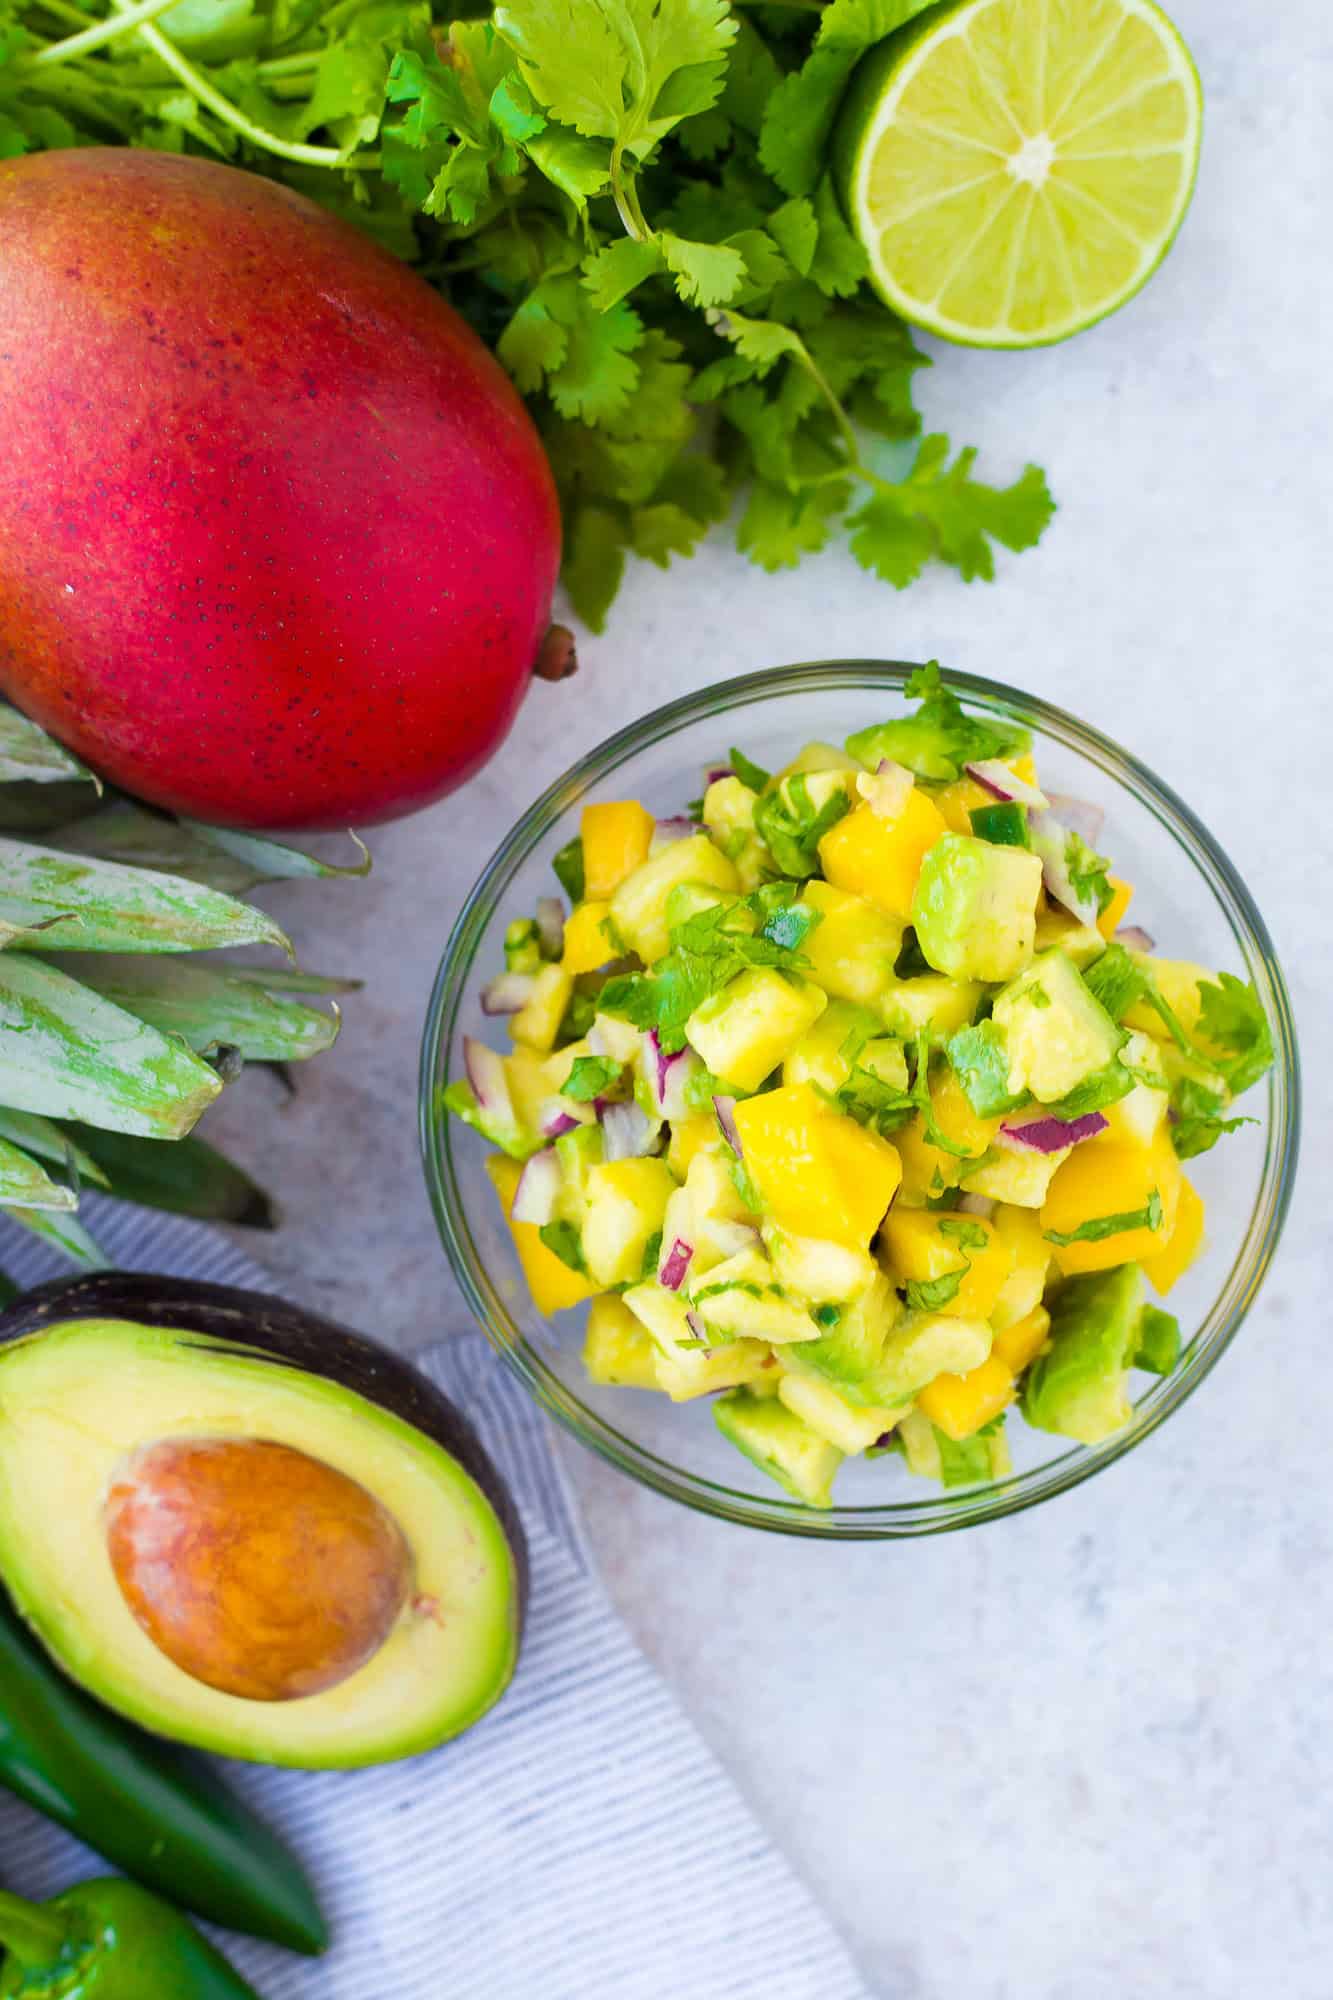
(1231, 1018)
(941, 737)
(929, 1294)
(745, 1187)
(1088, 872)
(980, 1060)
(825, 1316)
(751, 774)
(962, 1229)
(880, 1106)
(925, 1104)
(562, 1240)
(1196, 1118)
(708, 950)
(1105, 1086)
(792, 826)
(591, 1077)
(1099, 1227)
(652, 1250)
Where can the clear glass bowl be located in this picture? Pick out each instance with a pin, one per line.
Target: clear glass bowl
(1189, 897)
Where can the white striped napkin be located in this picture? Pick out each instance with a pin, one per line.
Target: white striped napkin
(580, 1843)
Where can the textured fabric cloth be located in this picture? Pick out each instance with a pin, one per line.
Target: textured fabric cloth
(580, 1843)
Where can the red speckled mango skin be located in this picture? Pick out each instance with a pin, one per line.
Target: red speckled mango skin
(277, 537)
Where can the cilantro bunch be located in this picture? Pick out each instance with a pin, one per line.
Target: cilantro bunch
(632, 202)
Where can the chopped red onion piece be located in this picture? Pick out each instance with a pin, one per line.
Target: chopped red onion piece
(538, 1186)
(1002, 783)
(486, 1073)
(675, 1264)
(717, 773)
(1135, 939)
(976, 1204)
(1052, 1135)
(694, 1321)
(1080, 814)
(1049, 834)
(555, 1119)
(507, 993)
(628, 1133)
(725, 1111)
(885, 789)
(667, 1076)
(680, 827)
(551, 926)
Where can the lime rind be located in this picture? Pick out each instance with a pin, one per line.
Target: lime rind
(1031, 220)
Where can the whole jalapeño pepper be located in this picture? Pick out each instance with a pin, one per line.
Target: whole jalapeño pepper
(153, 1810)
(109, 1940)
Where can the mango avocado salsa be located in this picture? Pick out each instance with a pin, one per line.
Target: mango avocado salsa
(848, 1094)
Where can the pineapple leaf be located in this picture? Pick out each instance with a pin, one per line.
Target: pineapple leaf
(63, 1232)
(36, 809)
(293, 979)
(211, 1009)
(110, 907)
(27, 753)
(49, 1142)
(26, 1182)
(271, 861)
(71, 1054)
(183, 1176)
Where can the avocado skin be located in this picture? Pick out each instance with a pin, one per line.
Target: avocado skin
(293, 1338)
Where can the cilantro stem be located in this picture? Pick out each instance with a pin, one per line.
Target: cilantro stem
(98, 35)
(222, 107)
(626, 199)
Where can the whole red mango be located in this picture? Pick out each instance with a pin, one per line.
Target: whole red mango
(277, 537)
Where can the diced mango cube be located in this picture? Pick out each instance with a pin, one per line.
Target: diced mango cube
(958, 801)
(879, 858)
(1111, 1180)
(1020, 1229)
(551, 1282)
(586, 943)
(960, 1404)
(1019, 1345)
(1111, 918)
(617, 1351)
(923, 1245)
(819, 1173)
(616, 838)
(688, 1137)
(1177, 981)
(1171, 1263)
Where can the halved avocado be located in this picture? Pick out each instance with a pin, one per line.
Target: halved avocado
(372, 1500)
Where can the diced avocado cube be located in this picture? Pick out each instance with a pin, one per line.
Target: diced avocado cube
(975, 907)
(908, 1007)
(1141, 1113)
(825, 1053)
(625, 1203)
(776, 1440)
(1057, 1034)
(923, 1345)
(851, 1428)
(1057, 930)
(886, 1059)
(728, 813)
(740, 1297)
(853, 948)
(817, 1271)
(578, 1152)
(639, 905)
(1157, 1348)
(817, 756)
(745, 1031)
(930, 1453)
(848, 1350)
(617, 1351)
(1076, 1387)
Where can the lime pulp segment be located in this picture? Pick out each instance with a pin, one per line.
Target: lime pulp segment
(1019, 168)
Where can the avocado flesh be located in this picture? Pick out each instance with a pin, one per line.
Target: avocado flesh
(78, 1397)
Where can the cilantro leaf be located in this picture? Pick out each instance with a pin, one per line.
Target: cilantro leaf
(1099, 1227)
(1197, 1122)
(591, 1077)
(792, 826)
(941, 737)
(961, 1229)
(1088, 872)
(798, 123)
(1232, 1018)
(563, 1241)
(929, 1294)
(940, 510)
(751, 774)
(980, 1060)
(707, 951)
(880, 1106)
(568, 867)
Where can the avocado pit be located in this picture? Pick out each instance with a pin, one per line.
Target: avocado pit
(255, 1568)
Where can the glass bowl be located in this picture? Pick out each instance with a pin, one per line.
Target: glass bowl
(1189, 897)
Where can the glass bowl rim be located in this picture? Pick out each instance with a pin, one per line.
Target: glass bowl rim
(966, 1507)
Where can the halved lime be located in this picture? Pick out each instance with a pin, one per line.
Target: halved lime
(1017, 169)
